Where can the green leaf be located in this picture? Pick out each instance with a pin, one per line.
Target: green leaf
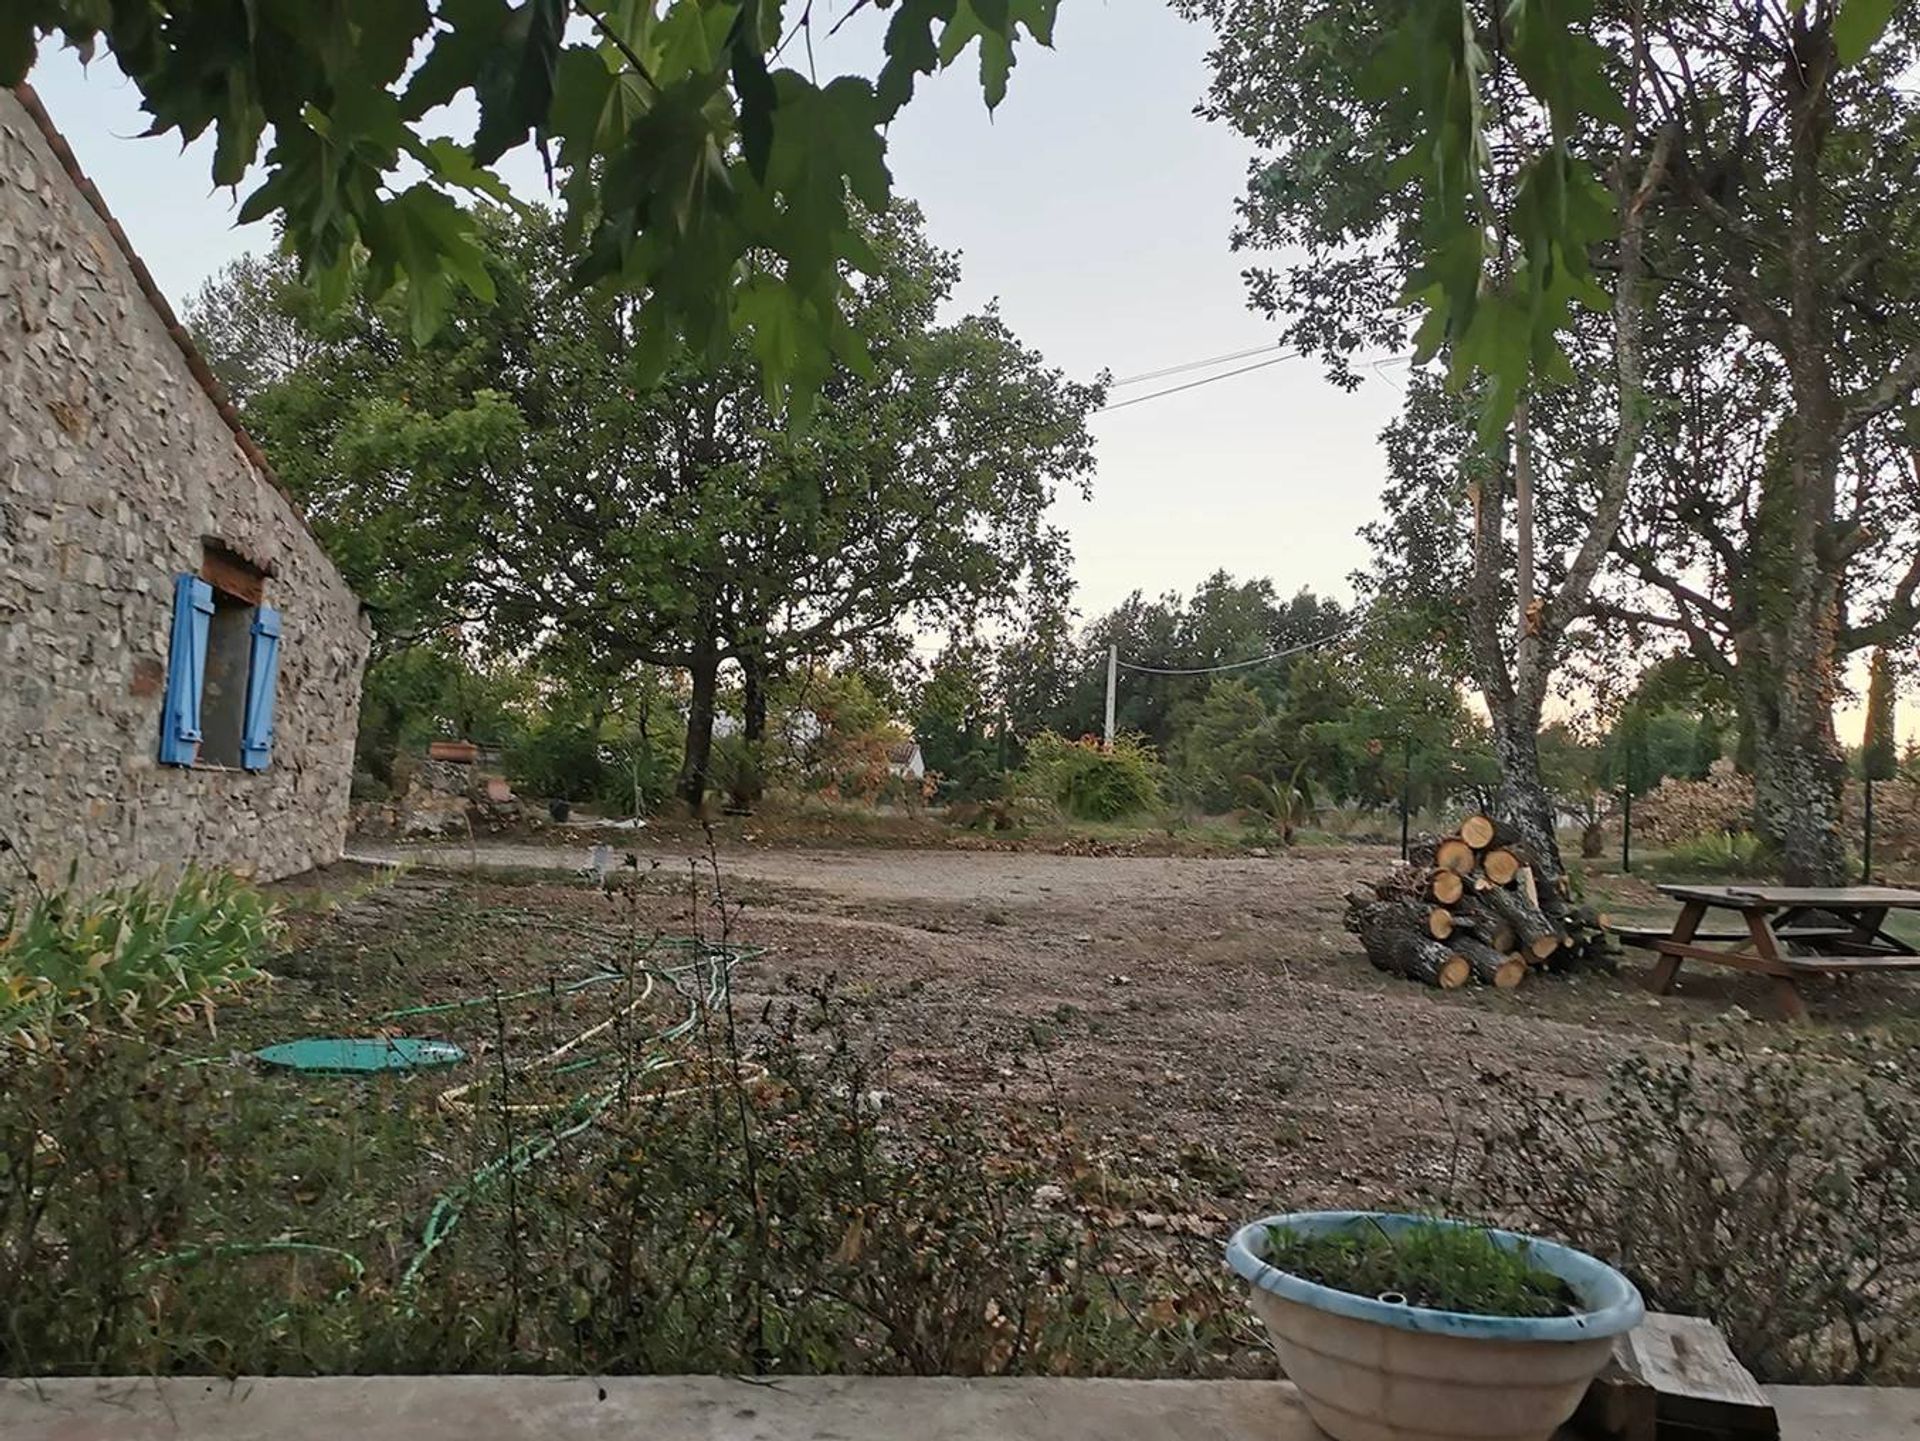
(1858, 26)
(17, 46)
(514, 82)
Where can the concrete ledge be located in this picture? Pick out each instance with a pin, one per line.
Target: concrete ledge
(719, 1408)
(649, 1408)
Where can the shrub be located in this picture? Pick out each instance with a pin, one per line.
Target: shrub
(1091, 783)
(559, 759)
(1729, 853)
(1774, 1189)
(139, 955)
(796, 1224)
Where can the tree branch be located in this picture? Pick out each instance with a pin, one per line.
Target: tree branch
(1877, 399)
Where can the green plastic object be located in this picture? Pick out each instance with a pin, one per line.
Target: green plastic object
(342, 1055)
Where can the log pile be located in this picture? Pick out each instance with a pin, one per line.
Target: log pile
(1472, 907)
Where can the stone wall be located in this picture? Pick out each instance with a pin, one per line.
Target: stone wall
(116, 468)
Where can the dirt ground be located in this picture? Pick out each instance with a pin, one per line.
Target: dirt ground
(1203, 1023)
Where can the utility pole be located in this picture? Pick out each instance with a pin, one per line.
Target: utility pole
(1113, 680)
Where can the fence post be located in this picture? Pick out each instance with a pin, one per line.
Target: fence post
(1866, 849)
(1626, 821)
(1406, 790)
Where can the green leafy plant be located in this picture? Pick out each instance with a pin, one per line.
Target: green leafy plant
(1764, 1180)
(145, 954)
(1090, 782)
(1430, 1264)
(1279, 808)
(1722, 853)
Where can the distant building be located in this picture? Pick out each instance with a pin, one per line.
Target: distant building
(181, 662)
(904, 760)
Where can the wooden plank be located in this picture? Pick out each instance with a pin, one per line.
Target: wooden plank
(1644, 935)
(1851, 965)
(1827, 897)
(1697, 1383)
(1741, 960)
(1712, 895)
(1618, 1406)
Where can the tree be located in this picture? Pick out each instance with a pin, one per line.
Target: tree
(1776, 535)
(1333, 189)
(684, 153)
(603, 518)
(956, 721)
(1879, 750)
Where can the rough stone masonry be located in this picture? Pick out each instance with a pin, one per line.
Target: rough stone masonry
(118, 472)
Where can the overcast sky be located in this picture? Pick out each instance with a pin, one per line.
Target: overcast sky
(1093, 205)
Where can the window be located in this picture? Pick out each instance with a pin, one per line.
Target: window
(222, 667)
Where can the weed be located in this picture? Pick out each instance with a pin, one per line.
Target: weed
(1430, 1264)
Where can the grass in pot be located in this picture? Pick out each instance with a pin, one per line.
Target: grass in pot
(1395, 1327)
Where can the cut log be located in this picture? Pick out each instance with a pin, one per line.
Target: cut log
(1477, 831)
(1476, 920)
(1439, 923)
(1454, 854)
(1446, 887)
(1489, 967)
(1501, 865)
(1527, 884)
(1536, 935)
(1395, 939)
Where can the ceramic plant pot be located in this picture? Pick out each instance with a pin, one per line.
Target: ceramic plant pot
(1381, 1370)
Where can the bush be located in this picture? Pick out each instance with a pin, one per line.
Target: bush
(792, 1225)
(134, 956)
(1774, 1189)
(558, 759)
(1729, 853)
(1091, 783)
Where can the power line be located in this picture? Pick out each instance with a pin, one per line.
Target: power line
(1195, 365)
(1193, 384)
(1244, 664)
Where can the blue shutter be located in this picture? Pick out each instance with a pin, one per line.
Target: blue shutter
(263, 669)
(186, 670)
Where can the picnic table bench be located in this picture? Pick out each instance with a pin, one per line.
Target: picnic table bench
(1786, 932)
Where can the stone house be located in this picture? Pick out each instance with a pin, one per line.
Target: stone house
(180, 663)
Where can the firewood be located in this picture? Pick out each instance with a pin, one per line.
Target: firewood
(1393, 935)
(1477, 831)
(1501, 865)
(1446, 887)
(1440, 923)
(1489, 966)
(1537, 936)
(1454, 854)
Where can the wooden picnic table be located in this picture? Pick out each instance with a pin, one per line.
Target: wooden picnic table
(1786, 933)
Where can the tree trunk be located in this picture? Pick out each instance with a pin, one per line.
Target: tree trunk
(705, 674)
(1525, 806)
(753, 698)
(1797, 784)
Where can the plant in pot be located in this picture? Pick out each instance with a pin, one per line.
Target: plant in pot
(1395, 1327)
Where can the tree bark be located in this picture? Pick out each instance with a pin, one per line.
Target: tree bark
(705, 674)
(753, 698)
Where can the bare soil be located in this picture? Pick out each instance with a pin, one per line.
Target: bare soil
(1204, 1024)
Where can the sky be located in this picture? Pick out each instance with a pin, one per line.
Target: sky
(1095, 208)
(1093, 205)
